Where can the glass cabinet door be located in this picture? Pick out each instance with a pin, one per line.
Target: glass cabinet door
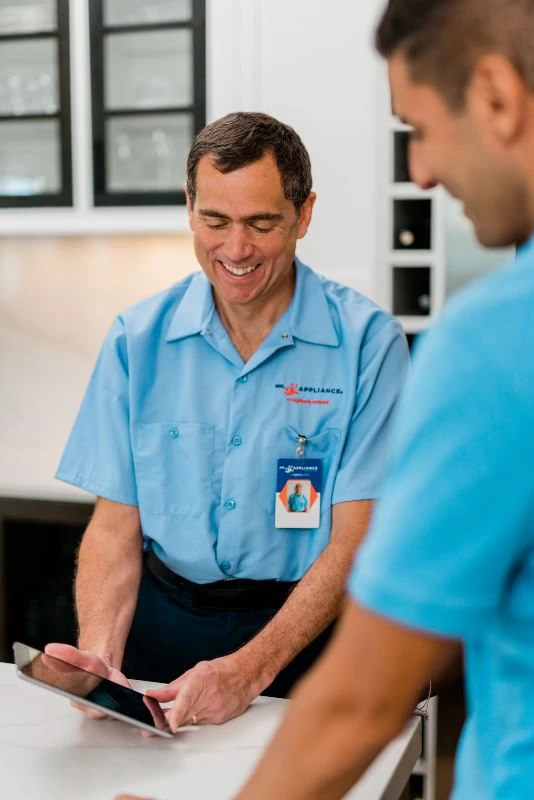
(35, 139)
(148, 97)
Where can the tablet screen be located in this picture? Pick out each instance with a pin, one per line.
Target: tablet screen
(89, 688)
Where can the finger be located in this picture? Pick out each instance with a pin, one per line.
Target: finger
(60, 667)
(183, 710)
(164, 695)
(84, 659)
(117, 676)
(156, 711)
(131, 797)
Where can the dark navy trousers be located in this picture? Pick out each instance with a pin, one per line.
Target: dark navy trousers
(169, 635)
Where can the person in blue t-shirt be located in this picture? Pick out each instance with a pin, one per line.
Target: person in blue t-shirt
(297, 500)
(198, 392)
(450, 554)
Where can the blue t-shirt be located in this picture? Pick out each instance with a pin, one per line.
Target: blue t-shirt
(175, 422)
(451, 548)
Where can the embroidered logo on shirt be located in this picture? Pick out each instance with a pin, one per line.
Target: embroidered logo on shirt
(294, 391)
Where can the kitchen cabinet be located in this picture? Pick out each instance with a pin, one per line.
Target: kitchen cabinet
(148, 95)
(35, 119)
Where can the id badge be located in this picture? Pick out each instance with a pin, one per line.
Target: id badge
(298, 493)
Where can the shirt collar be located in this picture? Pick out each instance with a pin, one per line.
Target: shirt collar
(309, 315)
(195, 310)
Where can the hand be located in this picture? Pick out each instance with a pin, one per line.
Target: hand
(210, 693)
(130, 797)
(85, 659)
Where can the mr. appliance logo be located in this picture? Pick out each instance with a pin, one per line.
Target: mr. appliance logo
(294, 394)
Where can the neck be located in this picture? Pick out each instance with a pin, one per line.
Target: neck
(249, 324)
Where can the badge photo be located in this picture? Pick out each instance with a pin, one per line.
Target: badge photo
(298, 493)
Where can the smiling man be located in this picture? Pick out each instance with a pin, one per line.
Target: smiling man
(202, 396)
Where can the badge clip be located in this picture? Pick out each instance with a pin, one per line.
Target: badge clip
(301, 445)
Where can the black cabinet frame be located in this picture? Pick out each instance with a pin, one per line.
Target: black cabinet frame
(61, 34)
(100, 115)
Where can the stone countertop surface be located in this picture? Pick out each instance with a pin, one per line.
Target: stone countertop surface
(49, 751)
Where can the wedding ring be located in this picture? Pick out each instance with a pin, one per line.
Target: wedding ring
(194, 719)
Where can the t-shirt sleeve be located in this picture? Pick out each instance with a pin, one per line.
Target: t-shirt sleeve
(456, 503)
(98, 456)
(384, 361)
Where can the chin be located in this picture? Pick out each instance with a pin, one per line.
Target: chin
(489, 237)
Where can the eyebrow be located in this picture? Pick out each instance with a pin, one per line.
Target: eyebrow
(262, 217)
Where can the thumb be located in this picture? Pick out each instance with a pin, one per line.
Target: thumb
(163, 695)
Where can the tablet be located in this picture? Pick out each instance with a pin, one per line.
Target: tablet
(90, 689)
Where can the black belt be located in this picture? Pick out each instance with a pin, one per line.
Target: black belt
(239, 594)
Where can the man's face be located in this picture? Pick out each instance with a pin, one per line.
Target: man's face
(463, 152)
(298, 487)
(245, 231)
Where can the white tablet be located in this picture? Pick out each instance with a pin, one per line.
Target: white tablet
(90, 689)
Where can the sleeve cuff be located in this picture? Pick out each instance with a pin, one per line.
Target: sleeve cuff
(453, 620)
(88, 485)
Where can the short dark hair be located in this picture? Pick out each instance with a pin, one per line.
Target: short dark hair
(240, 139)
(442, 40)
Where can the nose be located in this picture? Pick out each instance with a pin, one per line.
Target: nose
(420, 173)
(238, 245)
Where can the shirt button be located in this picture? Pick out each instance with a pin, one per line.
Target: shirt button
(173, 433)
(285, 335)
(237, 441)
(244, 379)
(225, 566)
(230, 505)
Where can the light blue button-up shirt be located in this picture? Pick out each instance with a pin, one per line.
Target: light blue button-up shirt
(175, 422)
(451, 547)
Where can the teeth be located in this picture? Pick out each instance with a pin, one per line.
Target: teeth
(239, 270)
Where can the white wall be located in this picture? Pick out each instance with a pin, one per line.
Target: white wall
(312, 65)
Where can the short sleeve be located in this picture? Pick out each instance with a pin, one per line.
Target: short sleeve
(384, 362)
(456, 504)
(98, 455)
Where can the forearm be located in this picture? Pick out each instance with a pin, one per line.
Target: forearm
(330, 747)
(354, 701)
(314, 603)
(106, 589)
(330, 735)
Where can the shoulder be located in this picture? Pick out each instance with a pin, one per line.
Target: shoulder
(355, 314)
(486, 327)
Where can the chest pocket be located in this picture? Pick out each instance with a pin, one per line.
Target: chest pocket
(281, 443)
(174, 466)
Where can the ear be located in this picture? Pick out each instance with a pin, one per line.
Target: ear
(499, 97)
(305, 215)
(189, 205)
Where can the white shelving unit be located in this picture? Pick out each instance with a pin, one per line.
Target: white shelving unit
(412, 238)
(426, 765)
(411, 284)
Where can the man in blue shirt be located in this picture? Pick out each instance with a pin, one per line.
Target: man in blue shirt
(197, 394)
(296, 500)
(450, 554)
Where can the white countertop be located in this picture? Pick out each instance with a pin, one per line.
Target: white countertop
(49, 751)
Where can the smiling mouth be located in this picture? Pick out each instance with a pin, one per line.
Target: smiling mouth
(239, 271)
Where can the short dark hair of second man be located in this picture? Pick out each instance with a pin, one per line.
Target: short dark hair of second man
(442, 40)
(242, 138)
